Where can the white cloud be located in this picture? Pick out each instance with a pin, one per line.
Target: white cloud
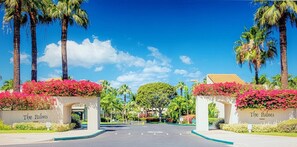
(98, 69)
(88, 54)
(154, 70)
(180, 72)
(24, 58)
(185, 59)
(193, 75)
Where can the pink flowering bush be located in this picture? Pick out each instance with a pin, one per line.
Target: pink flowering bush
(21, 101)
(63, 88)
(222, 89)
(267, 99)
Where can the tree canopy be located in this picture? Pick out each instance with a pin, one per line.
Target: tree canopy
(155, 95)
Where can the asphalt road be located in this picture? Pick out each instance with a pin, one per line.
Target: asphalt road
(149, 135)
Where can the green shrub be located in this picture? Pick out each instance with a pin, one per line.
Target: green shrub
(4, 126)
(29, 126)
(152, 119)
(143, 119)
(219, 122)
(75, 118)
(288, 126)
(103, 119)
(242, 128)
(264, 128)
(62, 127)
(211, 121)
(238, 128)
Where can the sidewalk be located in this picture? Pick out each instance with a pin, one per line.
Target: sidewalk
(249, 140)
(10, 139)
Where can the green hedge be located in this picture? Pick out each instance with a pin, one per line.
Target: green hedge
(288, 126)
(3, 126)
(42, 126)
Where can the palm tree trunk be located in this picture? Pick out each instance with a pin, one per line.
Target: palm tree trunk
(283, 50)
(181, 91)
(64, 48)
(257, 75)
(34, 45)
(16, 45)
(125, 118)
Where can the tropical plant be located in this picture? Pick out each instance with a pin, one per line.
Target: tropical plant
(16, 7)
(275, 14)
(255, 47)
(263, 80)
(177, 107)
(213, 112)
(180, 86)
(68, 12)
(124, 90)
(7, 85)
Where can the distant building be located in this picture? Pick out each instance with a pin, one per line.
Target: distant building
(222, 78)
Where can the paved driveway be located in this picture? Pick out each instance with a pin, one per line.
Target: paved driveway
(149, 135)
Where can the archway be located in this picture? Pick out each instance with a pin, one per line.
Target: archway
(230, 113)
(64, 105)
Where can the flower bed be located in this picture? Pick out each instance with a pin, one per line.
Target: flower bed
(221, 89)
(21, 101)
(63, 88)
(267, 99)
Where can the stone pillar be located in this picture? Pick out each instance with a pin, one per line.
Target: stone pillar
(94, 114)
(231, 115)
(201, 113)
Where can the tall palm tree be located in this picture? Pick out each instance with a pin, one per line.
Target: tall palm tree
(36, 10)
(124, 90)
(255, 47)
(68, 12)
(106, 86)
(181, 86)
(275, 14)
(15, 6)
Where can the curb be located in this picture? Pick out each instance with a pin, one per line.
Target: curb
(180, 124)
(212, 139)
(79, 137)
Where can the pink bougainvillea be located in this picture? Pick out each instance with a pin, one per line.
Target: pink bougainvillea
(222, 89)
(21, 101)
(249, 96)
(63, 88)
(267, 99)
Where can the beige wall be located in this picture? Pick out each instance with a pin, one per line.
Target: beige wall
(255, 116)
(60, 114)
(10, 117)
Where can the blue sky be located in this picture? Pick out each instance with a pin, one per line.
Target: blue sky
(137, 42)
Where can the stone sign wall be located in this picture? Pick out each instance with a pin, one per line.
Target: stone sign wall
(256, 116)
(10, 117)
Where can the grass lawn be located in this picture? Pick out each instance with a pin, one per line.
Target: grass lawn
(277, 134)
(25, 131)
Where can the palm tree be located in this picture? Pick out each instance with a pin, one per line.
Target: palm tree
(106, 86)
(68, 12)
(255, 47)
(14, 7)
(181, 86)
(36, 10)
(275, 14)
(7, 85)
(276, 81)
(263, 80)
(124, 90)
